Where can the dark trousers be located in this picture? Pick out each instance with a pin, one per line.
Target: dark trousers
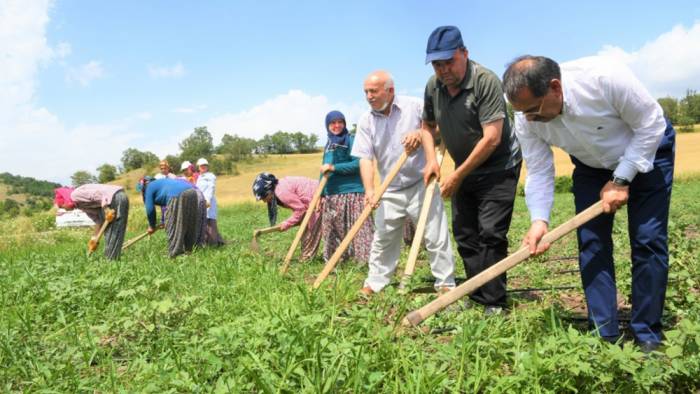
(482, 209)
(647, 211)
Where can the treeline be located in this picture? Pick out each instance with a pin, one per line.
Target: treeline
(684, 113)
(39, 195)
(21, 184)
(222, 158)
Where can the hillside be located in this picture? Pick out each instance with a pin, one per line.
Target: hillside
(237, 188)
(4, 194)
(232, 189)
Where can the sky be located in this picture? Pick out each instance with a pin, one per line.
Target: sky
(82, 81)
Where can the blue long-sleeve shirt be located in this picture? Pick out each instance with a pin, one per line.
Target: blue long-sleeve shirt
(346, 177)
(159, 192)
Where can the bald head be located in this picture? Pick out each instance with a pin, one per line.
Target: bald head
(532, 72)
(381, 77)
(379, 90)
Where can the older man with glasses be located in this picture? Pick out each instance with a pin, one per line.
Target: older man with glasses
(623, 152)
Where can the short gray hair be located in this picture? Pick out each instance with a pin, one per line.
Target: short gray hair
(533, 72)
(389, 83)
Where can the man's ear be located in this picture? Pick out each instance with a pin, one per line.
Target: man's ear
(555, 85)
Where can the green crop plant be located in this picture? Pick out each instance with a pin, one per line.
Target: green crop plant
(224, 320)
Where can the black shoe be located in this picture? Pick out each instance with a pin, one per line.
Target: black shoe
(647, 347)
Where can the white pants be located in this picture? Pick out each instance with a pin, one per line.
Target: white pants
(386, 244)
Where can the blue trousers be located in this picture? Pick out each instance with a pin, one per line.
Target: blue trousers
(647, 210)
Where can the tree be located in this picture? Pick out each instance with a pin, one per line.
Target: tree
(198, 144)
(282, 142)
(238, 148)
(150, 160)
(106, 173)
(174, 162)
(690, 105)
(670, 107)
(304, 143)
(20, 184)
(82, 178)
(222, 164)
(134, 158)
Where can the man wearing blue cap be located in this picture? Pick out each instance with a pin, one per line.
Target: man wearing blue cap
(466, 101)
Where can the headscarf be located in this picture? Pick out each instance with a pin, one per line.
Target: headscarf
(342, 139)
(263, 185)
(143, 183)
(62, 197)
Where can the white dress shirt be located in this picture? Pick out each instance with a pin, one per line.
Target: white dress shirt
(206, 183)
(379, 137)
(609, 120)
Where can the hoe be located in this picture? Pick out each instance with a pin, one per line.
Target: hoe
(358, 224)
(94, 241)
(416, 317)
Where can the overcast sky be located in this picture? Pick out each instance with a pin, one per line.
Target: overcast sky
(81, 81)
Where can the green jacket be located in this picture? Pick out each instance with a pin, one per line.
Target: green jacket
(346, 177)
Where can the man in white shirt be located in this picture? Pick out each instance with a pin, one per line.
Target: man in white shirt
(623, 151)
(383, 133)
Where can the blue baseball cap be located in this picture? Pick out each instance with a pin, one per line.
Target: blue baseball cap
(442, 43)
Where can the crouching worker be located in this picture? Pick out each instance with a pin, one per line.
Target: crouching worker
(93, 199)
(185, 217)
(295, 193)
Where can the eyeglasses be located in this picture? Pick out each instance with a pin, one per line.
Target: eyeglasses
(531, 112)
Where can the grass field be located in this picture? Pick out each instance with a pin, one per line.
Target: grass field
(224, 320)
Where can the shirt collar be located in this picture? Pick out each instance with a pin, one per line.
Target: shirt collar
(570, 105)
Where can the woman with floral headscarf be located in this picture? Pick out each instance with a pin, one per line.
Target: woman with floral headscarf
(343, 196)
(295, 193)
(185, 217)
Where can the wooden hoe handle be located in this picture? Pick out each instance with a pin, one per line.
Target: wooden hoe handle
(422, 220)
(304, 222)
(416, 317)
(358, 224)
(266, 230)
(94, 241)
(134, 240)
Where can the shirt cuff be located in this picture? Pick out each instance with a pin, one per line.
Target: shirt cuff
(362, 155)
(626, 170)
(539, 214)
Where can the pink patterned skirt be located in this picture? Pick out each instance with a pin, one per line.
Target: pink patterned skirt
(340, 212)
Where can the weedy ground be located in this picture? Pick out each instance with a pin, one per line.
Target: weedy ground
(224, 320)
